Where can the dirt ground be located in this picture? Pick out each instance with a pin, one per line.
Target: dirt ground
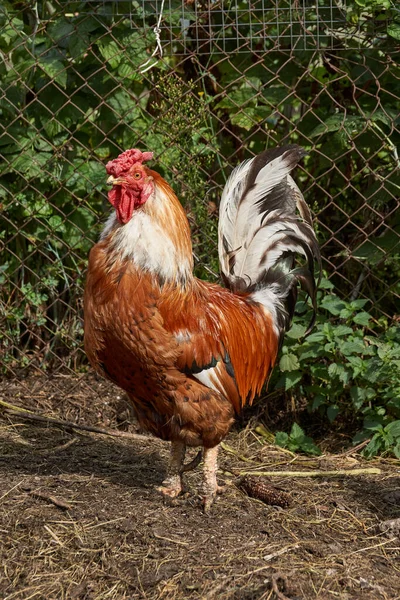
(80, 517)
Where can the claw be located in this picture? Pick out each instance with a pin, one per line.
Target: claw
(208, 500)
(171, 487)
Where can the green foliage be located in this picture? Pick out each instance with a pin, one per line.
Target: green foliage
(73, 97)
(348, 368)
(296, 441)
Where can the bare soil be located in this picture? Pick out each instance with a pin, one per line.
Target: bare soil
(80, 517)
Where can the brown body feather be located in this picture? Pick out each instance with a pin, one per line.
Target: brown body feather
(151, 337)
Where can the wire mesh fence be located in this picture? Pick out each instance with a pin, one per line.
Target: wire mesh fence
(234, 79)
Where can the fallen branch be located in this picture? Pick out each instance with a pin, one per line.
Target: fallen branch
(12, 410)
(338, 473)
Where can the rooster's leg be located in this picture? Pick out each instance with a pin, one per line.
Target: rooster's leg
(172, 485)
(211, 487)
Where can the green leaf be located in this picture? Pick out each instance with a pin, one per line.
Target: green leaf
(124, 105)
(374, 445)
(362, 318)
(292, 379)
(110, 51)
(360, 303)
(245, 118)
(128, 71)
(60, 31)
(342, 330)
(361, 395)
(78, 45)
(296, 331)
(351, 347)
(351, 125)
(394, 429)
(340, 371)
(394, 30)
(281, 439)
(396, 450)
(289, 362)
(297, 433)
(332, 412)
(332, 304)
(309, 447)
(318, 336)
(54, 69)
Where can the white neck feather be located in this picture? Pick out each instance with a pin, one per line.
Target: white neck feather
(146, 242)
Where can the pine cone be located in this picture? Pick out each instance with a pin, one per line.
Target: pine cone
(257, 488)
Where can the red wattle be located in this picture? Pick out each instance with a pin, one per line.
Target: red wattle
(124, 201)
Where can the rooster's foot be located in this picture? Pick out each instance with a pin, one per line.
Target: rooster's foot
(208, 499)
(171, 487)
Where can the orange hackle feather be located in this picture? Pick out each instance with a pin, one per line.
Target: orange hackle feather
(219, 318)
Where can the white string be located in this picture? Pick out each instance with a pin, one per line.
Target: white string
(158, 49)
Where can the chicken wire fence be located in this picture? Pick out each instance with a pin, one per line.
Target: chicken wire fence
(203, 85)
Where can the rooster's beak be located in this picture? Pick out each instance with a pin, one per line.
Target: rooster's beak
(114, 180)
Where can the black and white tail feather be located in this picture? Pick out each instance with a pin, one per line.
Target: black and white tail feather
(261, 235)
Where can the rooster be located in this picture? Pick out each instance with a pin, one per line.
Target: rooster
(189, 353)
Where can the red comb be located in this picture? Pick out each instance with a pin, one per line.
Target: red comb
(125, 160)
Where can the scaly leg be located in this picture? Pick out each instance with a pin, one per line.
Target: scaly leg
(172, 485)
(211, 487)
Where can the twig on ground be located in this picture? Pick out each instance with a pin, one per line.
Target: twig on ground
(338, 473)
(59, 502)
(274, 580)
(231, 450)
(273, 555)
(65, 446)
(9, 406)
(356, 448)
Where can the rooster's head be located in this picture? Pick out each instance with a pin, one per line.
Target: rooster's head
(132, 185)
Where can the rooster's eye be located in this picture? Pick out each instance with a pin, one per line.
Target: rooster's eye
(137, 175)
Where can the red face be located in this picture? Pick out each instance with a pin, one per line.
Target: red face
(132, 186)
